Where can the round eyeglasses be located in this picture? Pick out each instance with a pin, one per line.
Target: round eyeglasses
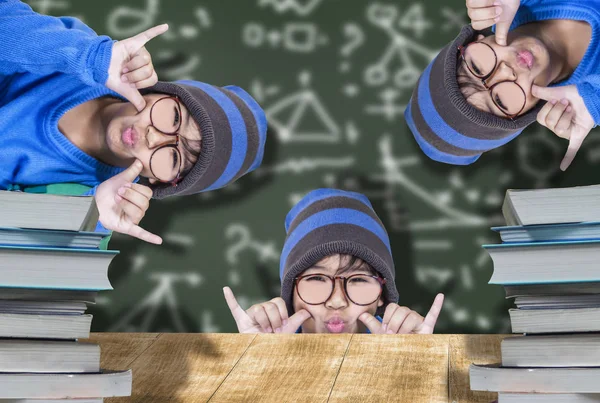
(361, 289)
(166, 161)
(482, 61)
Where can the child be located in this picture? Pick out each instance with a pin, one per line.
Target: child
(336, 272)
(483, 89)
(65, 119)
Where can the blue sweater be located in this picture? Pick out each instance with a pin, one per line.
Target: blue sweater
(48, 65)
(586, 76)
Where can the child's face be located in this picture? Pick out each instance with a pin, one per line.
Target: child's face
(338, 314)
(131, 135)
(510, 66)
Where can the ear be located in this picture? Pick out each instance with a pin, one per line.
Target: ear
(152, 181)
(480, 37)
(380, 302)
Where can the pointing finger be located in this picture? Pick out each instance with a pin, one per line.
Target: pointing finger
(132, 95)
(371, 323)
(132, 172)
(139, 232)
(134, 43)
(547, 93)
(574, 144)
(295, 321)
(235, 308)
(433, 314)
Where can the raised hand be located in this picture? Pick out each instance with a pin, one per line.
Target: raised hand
(122, 204)
(402, 320)
(566, 115)
(131, 66)
(485, 13)
(267, 317)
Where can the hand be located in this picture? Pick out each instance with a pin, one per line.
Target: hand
(566, 115)
(485, 13)
(402, 320)
(268, 317)
(131, 66)
(122, 204)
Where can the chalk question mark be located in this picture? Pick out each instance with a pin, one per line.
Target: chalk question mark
(356, 39)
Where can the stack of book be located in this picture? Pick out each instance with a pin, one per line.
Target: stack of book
(51, 267)
(549, 262)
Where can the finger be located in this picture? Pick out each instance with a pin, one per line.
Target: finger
(260, 316)
(283, 312)
(295, 321)
(134, 43)
(555, 113)
(138, 199)
(412, 322)
(237, 311)
(139, 232)
(564, 123)
(574, 144)
(140, 74)
(547, 93)
(134, 213)
(388, 315)
(543, 113)
(371, 323)
(132, 95)
(483, 13)
(502, 28)
(148, 82)
(274, 316)
(483, 24)
(479, 3)
(141, 59)
(397, 320)
(132, 172)
(432, 316)
(145, 190)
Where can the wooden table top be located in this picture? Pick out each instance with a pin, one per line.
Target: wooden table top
(231, 367)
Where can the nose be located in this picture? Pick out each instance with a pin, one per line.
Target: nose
(504, 72)
(338, 299)
(155, 138)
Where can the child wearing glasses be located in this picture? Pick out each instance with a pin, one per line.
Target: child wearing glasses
(83, 109)
(337, 274)
(485, 87)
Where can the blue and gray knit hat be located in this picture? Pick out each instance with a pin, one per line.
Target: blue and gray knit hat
(233, 128)
(328, 222)
(447, 128)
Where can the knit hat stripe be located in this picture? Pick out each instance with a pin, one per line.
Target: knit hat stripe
(438, 125)
(259, 119)
(320, 194)
(239, 142)
(362, 239)
(332, 203)
(251, 129)
(328, 217)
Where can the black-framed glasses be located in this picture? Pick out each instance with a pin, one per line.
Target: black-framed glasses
(317, 288)
(482, 61)
(166, 161)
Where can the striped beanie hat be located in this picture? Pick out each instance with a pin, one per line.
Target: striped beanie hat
(233, 128)
(447, 128)
(329, 222)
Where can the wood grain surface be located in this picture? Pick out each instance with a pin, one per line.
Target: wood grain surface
(232, 367)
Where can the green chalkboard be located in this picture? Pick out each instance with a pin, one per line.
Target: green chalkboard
(334, 77)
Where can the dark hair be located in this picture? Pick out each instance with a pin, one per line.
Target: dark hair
(353, 263)
(466, 86)
(191, 151)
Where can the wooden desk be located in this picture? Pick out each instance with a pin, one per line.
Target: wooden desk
(298, 368)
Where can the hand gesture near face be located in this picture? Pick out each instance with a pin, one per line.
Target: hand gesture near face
(485, 13)
(131, 66)
(566, 115)
(122, 204)
(401, 320)
(267, 317)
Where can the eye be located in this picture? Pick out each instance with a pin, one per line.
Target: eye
(315, 278)
(175, 159)
(358, 280)
(475, 69)
(499, 103)
(177, 118)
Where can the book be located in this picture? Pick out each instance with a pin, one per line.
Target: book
(48, 356)
(493, 378)
(43, 307)
(558, 301)
(549, 232)
(45, 326)
(48, 211)
(555, 289)
(50, 238)
(555, 320)
(568, 350)
(545, 262)
(551, 206)
(33, 294)
(546, 398)
(80, 269)
(63, 386)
